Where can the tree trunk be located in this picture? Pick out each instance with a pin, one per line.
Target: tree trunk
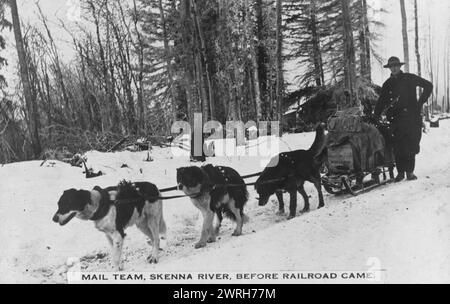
(140, 75)
(261, 56)
(368, 50)
(447, 59)
(405, 35)
(436, 85)
(30, 102)
(256, 84)
(349, 57)
(189, 64)
(364, 42)
(280, 80)
(416, 19)
(430, 65)
(206, 67)
(317, 56)
(200, 84)
(234, 109)
(168, 60)
(254, 61)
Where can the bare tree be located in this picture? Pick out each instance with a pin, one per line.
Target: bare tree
(416, 19)
(405, 35)
(447, 60)
(139, 79)
(31, 103)
(430, 66)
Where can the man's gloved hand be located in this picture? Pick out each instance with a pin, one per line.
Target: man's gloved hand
(422, 100)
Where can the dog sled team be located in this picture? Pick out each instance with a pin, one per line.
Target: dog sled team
(217, 191)
(352, 146)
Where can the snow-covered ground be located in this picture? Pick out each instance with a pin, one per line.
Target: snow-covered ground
(406, 226)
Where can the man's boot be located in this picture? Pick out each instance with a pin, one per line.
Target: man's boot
(410, 176)
(400, 176)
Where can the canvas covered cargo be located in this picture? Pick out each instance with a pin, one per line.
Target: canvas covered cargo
(353, 145)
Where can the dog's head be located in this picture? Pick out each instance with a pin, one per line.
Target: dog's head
(190, 179)
(264, 192)
(266, 184)
(71, 203)
(264, 187)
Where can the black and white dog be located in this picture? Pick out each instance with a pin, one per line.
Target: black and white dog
(113, 210)
(208, 190)
(289, 170)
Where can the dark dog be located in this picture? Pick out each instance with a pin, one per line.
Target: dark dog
(113, 210)
(288, 171)
(207, 189)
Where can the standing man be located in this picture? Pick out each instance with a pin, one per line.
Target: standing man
(398, 100)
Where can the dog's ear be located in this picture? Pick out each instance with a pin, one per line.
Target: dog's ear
(82, 198)
(197, 173)
(67, 196)
(180, 171)
(70, 192)
(73, 200)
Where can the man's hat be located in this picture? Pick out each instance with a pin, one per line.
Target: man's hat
(393, 61)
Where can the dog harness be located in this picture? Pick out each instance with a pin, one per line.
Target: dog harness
(103, 205)
(208, 184)
(288, 158)
(220, 171)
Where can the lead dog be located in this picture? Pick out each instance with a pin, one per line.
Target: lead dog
(288, 171)
(207, 188)
(113, 210)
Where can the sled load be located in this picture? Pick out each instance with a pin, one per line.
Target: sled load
(356, 149)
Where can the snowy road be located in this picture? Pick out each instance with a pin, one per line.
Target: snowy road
(406, 226)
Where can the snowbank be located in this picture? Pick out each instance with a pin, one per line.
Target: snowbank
(405, 226)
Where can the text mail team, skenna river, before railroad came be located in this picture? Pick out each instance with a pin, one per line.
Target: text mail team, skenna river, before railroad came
(250, 276)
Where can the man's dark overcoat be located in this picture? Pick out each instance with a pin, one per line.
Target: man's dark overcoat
(400, 91)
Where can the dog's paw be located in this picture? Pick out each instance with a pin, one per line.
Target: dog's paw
(211, 239)
(152, 259)
(305, 210)
(291, 216)
(217, 230)
(117, 267)
(236, 233)
(321, 206)
(280, 212)
(199, 245)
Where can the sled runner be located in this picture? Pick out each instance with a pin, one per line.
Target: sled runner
(357, 152)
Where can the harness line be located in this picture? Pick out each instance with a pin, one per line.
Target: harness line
(125, 201)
